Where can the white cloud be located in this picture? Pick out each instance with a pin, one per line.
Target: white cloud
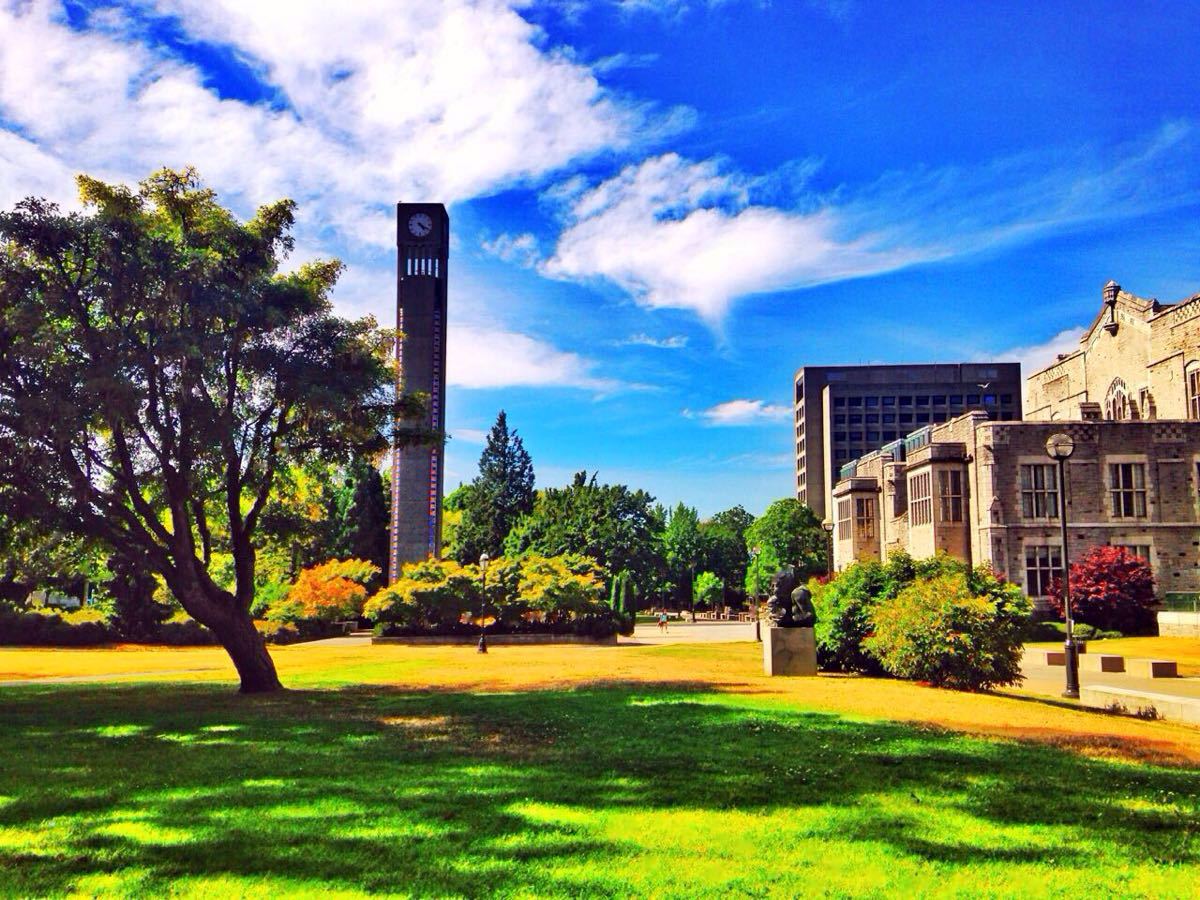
(521, 249)
(1035, 357)
(470, 435)
(383, 100)
(674, 342)
(480, 357)
(676, 233)
(742, 412)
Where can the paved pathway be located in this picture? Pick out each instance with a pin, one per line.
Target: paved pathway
(1049, 681)
(702, 632)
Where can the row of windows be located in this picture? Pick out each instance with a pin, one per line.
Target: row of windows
(924, 400)
(1126, 490)
(900, 418)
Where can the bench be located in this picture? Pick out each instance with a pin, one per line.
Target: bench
(1040, 657)
(1143, 704)
(1102, 662)
(1153, 668)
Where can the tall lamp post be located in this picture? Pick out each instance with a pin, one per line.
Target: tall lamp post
(754, 595)
(483, 564)
(1059, 447)
(828, 526)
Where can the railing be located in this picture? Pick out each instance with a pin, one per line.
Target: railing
(1181, 601)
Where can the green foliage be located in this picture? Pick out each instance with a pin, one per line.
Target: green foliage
(493, 503)
(135, 612)
(956, 629)
(793, 533)
(532, 593)
(843, 609)
(364, 527)
(45, 628)
(763, 565)
(331, 592)
(723, 538)
(33, 558)
(707, 590)
(611, 524)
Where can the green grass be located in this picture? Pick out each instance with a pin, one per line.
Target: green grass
(627, 789)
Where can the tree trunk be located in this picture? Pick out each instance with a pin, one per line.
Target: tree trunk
(248, 650)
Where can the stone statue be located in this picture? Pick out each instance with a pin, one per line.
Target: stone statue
(790, 605)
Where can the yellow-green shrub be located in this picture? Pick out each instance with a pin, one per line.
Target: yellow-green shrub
(955, 629)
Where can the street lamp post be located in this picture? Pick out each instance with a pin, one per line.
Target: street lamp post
(754, 596)
(828, 526)
(1059, 448)
(692, 593)
(483, 564)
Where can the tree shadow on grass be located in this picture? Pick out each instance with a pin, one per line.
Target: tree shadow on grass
(375, 789)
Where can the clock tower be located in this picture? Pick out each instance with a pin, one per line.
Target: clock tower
(422, 242)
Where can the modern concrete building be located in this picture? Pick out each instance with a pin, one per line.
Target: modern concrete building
(986, 492)
(1139, 359)
(423, 242)
(844, 412)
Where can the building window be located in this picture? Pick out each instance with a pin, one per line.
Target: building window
(989, 399)
(906, 401)
(973, 399)
(839, 401)
(923, 401)
(855, 401)
(921, 498)
(956, 399)
(1043, 563)
(864, 516)
(889, 401)
(1193, 381)
(1139, 550)
(1127, 487)
(950, 495)
(872, 401)
(844, 508)
(1116, 403)
(1039, 491)
(856, 418)
(922, 418)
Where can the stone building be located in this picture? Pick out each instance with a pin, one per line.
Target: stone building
(843, 412)
(985, 492)
(1139, 359)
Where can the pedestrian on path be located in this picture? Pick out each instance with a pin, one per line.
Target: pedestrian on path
(662, 621)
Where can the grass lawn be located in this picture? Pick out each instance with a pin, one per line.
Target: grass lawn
(602, 771)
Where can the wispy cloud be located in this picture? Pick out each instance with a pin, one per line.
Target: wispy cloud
(676, 233)
(521, 249)
(741, 412)
(1035, 357)
(674, 342)
(480, 357)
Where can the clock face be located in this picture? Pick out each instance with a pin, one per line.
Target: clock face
(419, 224)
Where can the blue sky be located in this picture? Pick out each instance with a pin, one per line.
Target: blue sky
(660, 208)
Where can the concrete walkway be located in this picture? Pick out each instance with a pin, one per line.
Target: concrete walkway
(1048, 681)
(703, 632)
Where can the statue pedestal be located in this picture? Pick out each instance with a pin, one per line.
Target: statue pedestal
(789, 651)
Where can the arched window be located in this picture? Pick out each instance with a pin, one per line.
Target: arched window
(1116, 402)
(1192, 378)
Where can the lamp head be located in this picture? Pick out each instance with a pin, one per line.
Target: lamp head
(1060, 446)
(828, 526)
(483, 561)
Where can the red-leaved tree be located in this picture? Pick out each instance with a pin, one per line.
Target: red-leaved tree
(1111, 589)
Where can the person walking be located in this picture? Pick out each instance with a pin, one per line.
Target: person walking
(662, 621)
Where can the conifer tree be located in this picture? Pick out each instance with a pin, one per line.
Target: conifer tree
(498, 497)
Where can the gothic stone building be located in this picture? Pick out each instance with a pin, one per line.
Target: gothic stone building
(1140, 359)
(985, 491)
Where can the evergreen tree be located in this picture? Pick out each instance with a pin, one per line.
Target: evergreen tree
(364, 531)
(497, 498)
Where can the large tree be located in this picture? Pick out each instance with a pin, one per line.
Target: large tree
(683, 549)
(364, 521)
(500, 495)
(156, 371)
(794, 535)
(724, 541)
(616, 526)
